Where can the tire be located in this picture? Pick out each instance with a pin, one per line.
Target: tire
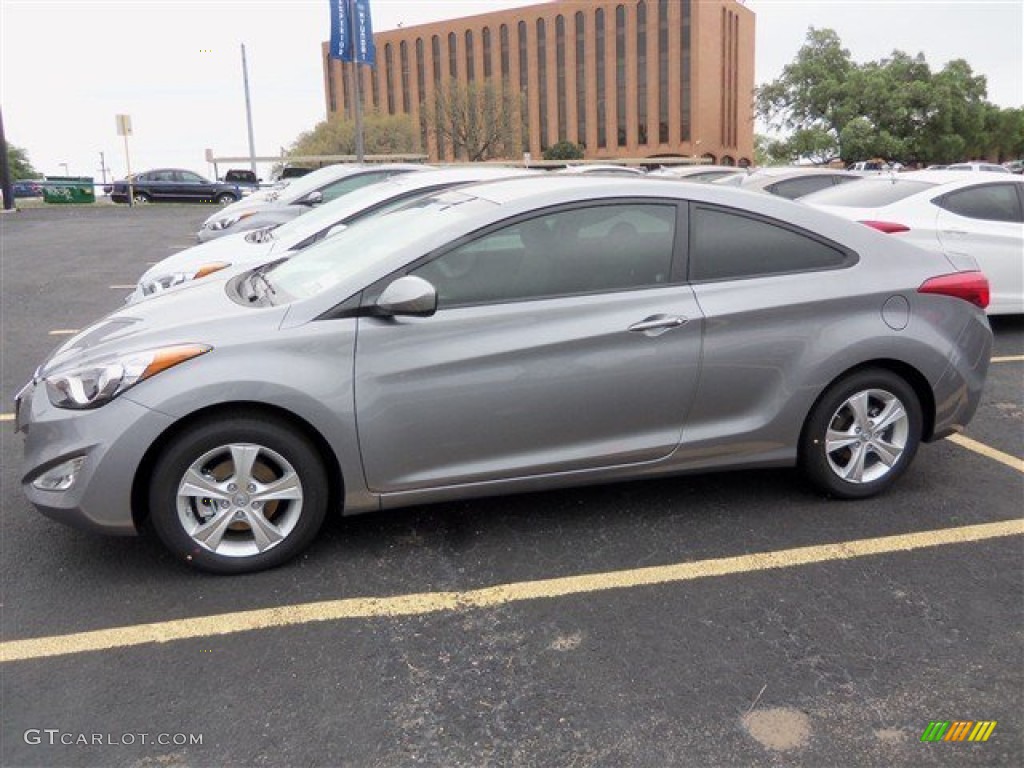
(861, 435)
(212, 512)
(225, 198)
(141, 198)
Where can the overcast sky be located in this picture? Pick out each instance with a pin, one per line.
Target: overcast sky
(175, 66)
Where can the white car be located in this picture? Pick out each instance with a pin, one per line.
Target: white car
(269, 244)
(961, 213)
(985, 167)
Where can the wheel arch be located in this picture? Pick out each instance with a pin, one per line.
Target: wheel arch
(914, 378)
(144, 472)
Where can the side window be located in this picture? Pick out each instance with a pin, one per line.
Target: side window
(351, 183)
(993, 202)
(191, 178)
(583, 250)
(730, 245)
(161, 176)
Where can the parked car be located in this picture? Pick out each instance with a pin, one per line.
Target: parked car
(245, 180)
(512, 336)
(27, 187)
(289, 172)
(985, 167)
(978, 216)
(1014, 166)
(176, 185)
(299, 197)
(790, 183)
(700, 172)
(273, 242)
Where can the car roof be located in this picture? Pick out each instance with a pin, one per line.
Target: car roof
(950, 177)
(458, 174)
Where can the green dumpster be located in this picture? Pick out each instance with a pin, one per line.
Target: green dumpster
(69, 189)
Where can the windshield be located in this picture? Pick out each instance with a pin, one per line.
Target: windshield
(331, 213)
(321, 266)
(306, 184)
(868, 193)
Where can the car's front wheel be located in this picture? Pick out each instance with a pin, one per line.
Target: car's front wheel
(861, 435)
(238, 494)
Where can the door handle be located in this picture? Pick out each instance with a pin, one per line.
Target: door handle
(658, 323)
(955, 232)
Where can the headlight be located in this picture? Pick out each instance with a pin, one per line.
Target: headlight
(96, 384)
(162, 283)
(228, 221)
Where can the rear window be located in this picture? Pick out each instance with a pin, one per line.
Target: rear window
(868, 193)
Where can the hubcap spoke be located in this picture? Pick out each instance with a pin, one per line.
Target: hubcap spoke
(211, 533)
(288, 487)
(197, 484)
(888, 453)
(244, 457)
(854, 469)
(264, 532)
(836, 440)
(892, 414)
(859, 405)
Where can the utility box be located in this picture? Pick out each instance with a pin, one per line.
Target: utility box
(69, 189)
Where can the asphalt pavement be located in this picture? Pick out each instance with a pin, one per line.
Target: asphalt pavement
(837, 655)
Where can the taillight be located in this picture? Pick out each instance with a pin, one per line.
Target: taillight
(969, 286)
(889, 227)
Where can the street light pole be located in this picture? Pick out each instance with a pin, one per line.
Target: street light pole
(248, 112)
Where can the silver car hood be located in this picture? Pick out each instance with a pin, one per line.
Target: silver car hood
(231, 249)
(202, 312)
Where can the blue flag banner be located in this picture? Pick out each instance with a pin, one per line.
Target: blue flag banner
(352, 31)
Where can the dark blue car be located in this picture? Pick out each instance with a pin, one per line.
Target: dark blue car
(174, 184)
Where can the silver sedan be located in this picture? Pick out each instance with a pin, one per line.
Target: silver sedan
(512, 336)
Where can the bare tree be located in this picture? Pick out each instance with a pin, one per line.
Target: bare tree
(479, 121)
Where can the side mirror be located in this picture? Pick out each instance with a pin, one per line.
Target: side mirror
(313, 198)
(409, 295)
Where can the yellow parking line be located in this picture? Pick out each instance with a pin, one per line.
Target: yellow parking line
(1008, 359)
(6, 417)
(64, 332)
(489, 597)
(988, 452)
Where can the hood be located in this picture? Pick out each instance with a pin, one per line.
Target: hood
(201, 312)
(230, 249)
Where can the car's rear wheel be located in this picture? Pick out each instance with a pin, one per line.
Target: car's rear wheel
(141, 198)
(861, 435)
(225, 198)
(238, 494)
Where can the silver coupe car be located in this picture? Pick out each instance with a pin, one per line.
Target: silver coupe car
(510, 336)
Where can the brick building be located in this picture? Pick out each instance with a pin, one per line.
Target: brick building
(624, 78)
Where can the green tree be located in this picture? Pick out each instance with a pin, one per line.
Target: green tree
(18, 162)
(564, 150)
(480, 121)
(382, 135)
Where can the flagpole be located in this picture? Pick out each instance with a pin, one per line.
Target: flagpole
(358, 102)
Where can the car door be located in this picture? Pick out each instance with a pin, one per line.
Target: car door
(561, 343)
(161, 185)
(192, 186)
(984, 222)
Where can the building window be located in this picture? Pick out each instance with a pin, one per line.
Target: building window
(403, 58)
(602, 123)
(641, 71)
(581, 80)
(453, 55)
(524, 83)
(620, 74)
(486, 34)
(374, 83)
(470, 68)
(684, 107)
(332, 93)
(421, 86)
(542, 81)
(435, 51)
(503, 34)
(389, 69)
(663, 71)
(560, 74)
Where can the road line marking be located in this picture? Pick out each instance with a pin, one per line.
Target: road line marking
(64, 332)
(488, 597)
(1008, 359)
(123, 287)
(988, 452)
(6, 417)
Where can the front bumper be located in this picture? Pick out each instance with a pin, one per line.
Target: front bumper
(112, 440)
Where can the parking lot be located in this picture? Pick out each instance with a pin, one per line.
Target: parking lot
(722, 620)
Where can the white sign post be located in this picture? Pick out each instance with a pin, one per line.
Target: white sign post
(124, 128)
